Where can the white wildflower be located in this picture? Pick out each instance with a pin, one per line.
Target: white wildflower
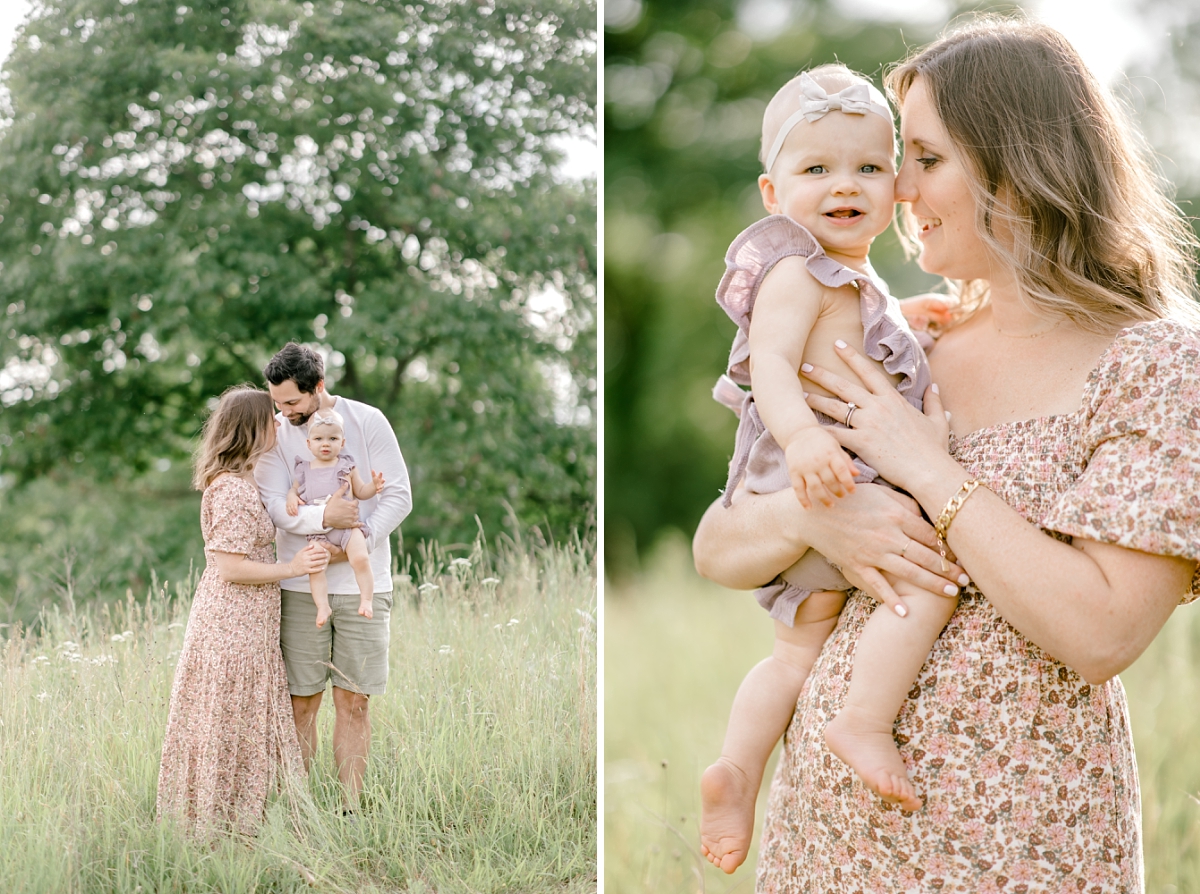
(445, 650)
(490, 580)
(461, 563)
(428, 587)
(42, 696)
(512, 621)
(40, 659)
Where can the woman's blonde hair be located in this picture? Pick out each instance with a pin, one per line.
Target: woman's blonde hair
(1090, 233)
(235, 435)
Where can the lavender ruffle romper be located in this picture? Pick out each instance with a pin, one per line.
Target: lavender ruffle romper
(757, 457)
(317, 485)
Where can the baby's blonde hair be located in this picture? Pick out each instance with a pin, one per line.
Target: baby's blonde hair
(832, 77)
(1090, 233)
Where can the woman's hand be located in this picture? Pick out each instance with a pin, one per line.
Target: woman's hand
(897, 440)
(310, 560)
(874, 528)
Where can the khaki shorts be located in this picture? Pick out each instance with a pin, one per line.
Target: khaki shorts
(350, 649)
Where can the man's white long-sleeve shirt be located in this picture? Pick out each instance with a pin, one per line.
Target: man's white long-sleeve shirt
(372, 443)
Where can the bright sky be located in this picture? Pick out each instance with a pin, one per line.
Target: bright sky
(1107, 33)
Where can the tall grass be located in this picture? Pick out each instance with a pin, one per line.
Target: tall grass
(482, 775)
(676, 648)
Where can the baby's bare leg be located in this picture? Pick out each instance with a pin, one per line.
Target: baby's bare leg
(888, 658)
(360, 563)
(761, 711)
(320, 594)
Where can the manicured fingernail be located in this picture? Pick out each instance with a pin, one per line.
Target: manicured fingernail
(950, 590)
(804, 394)
(963, 580)
(901, 610)
(805, 367)
(947, 412)
(839, 343)
(935, 388)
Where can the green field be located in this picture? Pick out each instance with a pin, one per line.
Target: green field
(482, 774)
(676, 648)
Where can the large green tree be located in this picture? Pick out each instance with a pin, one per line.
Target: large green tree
(184, 188)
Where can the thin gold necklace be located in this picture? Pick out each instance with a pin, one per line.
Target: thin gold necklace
(1000, 331)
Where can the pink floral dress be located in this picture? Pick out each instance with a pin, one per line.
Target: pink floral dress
(230, 734)
(1027, 771)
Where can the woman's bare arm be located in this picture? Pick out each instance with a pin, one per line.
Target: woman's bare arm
(237, 568)
(1093, 606)
(762, 535)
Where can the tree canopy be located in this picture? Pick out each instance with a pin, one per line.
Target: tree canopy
(184, 188)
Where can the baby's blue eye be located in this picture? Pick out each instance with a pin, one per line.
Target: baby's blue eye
(815, 169)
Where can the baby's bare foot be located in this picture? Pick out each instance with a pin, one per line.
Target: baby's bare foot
(869, 749)
(323, 613)
(364, 609)
(727, 799)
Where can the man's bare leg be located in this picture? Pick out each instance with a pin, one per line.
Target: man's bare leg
(304, 713)
(351, 740)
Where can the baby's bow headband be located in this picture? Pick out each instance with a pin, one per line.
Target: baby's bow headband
(815, 103)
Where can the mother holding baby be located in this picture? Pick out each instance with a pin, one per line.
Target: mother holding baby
(1069, 491)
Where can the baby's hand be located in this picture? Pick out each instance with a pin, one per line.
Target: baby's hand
(293, 504)
(927, 311)
(377, 480)
(818, 467)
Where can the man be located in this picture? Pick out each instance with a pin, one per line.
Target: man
(349, 649)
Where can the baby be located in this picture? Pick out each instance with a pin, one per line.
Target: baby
(829, 157)
(315, 482)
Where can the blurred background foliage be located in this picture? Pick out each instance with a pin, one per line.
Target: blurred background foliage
(185, 188)
(685, 85)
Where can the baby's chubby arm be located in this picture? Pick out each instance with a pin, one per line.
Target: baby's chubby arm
(785, 312)
(364, 490)
(293, 501)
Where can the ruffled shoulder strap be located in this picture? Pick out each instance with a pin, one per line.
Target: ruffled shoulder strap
(758, 248)
(750, 257)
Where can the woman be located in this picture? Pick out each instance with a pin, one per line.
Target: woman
(230, 736)
(1078, 520)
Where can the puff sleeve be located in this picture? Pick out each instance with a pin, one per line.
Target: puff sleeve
(226, 516)
(1140, 485)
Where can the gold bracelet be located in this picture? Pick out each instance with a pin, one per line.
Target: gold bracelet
(942, 526)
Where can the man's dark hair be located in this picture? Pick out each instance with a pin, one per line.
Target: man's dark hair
(302, 365)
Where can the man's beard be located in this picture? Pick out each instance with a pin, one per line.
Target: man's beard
(303, 420)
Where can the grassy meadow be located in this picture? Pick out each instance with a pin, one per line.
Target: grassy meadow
(676, 648)
(482, 776)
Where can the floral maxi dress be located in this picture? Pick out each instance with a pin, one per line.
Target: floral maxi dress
(230, 735)
(1027, 770)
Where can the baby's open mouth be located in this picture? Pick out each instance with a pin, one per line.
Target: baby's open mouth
(844, 213)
